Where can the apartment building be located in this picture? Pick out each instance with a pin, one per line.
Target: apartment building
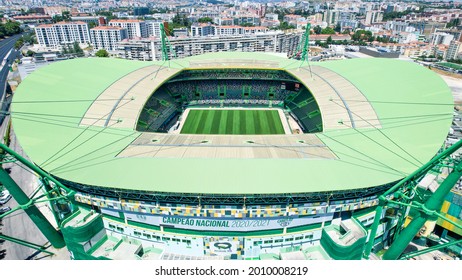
(53, 35)
(442, 38)
(373, 17)
(453, 50)
(150, 49)
(207, 29)
(136, 28)
(107, 37)
(153, 27)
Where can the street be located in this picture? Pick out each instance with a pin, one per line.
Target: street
(18, 224)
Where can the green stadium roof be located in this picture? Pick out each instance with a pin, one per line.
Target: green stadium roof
(413, 105)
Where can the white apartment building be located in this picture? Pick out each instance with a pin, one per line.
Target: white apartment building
(271, 16)
(453, 50)
(107, 37)
(238, 30)
(136, 28)
(202, 29)
(442, 38)
(205, 29)
(53, 35)
(153, 27)
(373, 17)
(150, 49)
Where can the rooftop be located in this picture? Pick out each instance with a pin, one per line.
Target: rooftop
(402, 113)
(126, 20)
(107, 28)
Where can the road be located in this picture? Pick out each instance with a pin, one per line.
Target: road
(18, 224)
(6, 45)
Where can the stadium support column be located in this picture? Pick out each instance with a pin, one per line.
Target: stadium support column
(373, 232)
(36, 216)
(428, 209)
(163, 38)
(306, 43)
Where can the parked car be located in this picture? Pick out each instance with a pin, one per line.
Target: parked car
(5, 209)
(5, 200)
(5, 196)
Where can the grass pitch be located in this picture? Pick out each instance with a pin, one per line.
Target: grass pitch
(233, 122)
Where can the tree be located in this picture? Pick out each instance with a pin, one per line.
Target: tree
(180, 21)
(338, 28)
(12, 27)
(106, 14)
(205, 20)
(328, 30)
(329, 40)
(57, 18)
(30, 53)
(91, 24)
(66, 15)
(284, 25)
(361, 35)
(102, 53)
(453, 23)
(77, 49)
(317, 29)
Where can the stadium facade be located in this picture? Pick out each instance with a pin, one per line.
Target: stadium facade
(107, 129)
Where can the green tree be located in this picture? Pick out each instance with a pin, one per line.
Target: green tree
(338, 28)
(180, 21)
(30, 53)
(361, 35)
(102, 53)
(91, 24)
(317, 29)
(57, 18)
(205, 20)
(12, 27)
(66, 15)
(453, 23)
(329, 40)
(328, 30)
(284, 25)
(29, 38)
(19, 43)
(106, 14)
(77, 49)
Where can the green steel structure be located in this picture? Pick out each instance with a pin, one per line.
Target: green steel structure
(166, 46)
(151, 195)
(304, 46)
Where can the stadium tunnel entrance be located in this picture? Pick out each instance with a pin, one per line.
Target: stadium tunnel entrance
(230, 88)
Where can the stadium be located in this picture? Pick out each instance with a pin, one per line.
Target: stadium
(229, 155)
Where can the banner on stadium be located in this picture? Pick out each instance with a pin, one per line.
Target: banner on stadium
(229, 224)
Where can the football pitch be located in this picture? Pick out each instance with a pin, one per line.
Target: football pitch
(233, 122)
